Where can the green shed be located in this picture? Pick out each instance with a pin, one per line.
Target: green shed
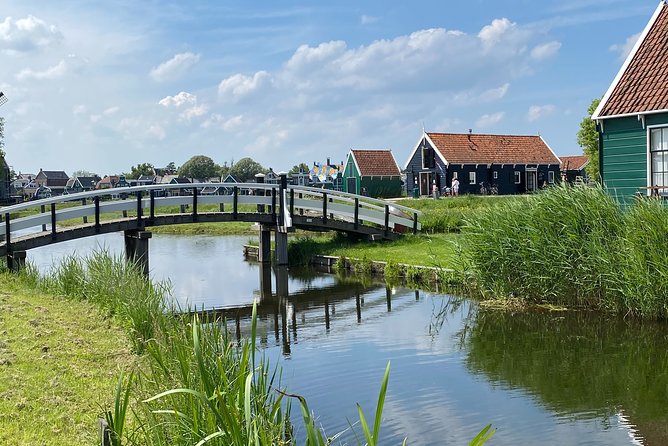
(632, 118)
(373, 173)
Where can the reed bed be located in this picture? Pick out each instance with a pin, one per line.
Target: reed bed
(573, 246)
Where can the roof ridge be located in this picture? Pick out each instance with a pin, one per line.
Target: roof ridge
(483, 134)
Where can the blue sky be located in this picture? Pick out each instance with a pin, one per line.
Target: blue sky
(101, 86)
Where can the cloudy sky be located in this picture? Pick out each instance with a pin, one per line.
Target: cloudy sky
(103, 85)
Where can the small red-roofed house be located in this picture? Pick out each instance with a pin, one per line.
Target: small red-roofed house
(373, 173)
(573, 168)
(632, 117)
(503, 164)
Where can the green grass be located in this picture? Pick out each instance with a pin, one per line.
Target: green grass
(59, 361)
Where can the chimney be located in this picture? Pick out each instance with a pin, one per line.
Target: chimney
(469, 135)
(328, 161)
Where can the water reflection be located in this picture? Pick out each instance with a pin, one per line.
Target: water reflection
(578, 365)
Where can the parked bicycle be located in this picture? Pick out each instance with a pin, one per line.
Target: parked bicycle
(488, 189)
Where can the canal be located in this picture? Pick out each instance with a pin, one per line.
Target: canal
(538, 377)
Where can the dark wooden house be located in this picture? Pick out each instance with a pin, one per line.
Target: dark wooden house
(573, 169)
(81, 184)
(511, 164)
(5, 183)
(56, 180)
(373, 173)
(632, 117)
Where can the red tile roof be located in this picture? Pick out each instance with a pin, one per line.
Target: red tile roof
(573, 162)
(465, 148)
(376, 162)
(641, 84)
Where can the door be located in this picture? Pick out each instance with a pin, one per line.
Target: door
(352, 185)
(531, 180)
(425, 183)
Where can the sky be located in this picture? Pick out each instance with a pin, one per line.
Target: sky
(101, 86)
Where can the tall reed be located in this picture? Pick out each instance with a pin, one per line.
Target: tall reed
(573, 246)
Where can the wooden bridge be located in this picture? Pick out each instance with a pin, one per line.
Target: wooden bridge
(277, 208)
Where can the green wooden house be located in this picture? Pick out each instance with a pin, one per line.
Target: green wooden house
(632, 118)
(373, 173)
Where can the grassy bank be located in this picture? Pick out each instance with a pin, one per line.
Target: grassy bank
(59, 363)
(574, 247)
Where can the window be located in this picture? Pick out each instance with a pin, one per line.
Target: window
(495, 175)
(518, 177)
(428, 161)
(550, 176)
(454, 175)
(471, 177)
(658, 145)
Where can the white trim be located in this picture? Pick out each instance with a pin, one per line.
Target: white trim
(517, 175)
(357, 166)
(627, 115)
(534, 172)
(550, 176)
(552, 151)
(648, 153)
(475, 179)
(627, 62)
(495, 174)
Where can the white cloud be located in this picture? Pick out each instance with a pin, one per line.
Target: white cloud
(492, 34)
(53, 72)
(79, 109)
(178, 99)
(624, 49)
(238, 86)
(174, 67)
(227, 124)
(489, 120)
(194, 112)
(367, 19)
(28, 34)
(157, 132)
(111, 111)
(477, 97)
(538, 111)
(546, 50)
(494, 94)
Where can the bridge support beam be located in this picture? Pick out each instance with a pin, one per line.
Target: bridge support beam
(16, 261)
(136, 248)
(264, 253)
(281, 248)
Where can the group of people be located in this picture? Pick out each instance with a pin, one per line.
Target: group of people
(452, 190)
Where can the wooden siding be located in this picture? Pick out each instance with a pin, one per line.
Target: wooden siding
(624, 153)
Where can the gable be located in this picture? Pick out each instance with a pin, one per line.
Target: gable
(639, 86)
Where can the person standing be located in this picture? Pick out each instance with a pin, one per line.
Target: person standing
(455, 187)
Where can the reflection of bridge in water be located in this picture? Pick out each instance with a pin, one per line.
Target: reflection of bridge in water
(282, 308)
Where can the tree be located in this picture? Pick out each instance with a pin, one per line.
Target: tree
(171, 169)
(83, 173)
(139, 170)
(199, 167)
(245, 169)
(588, 140)
(302, 167)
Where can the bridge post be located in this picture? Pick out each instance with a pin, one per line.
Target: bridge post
(281, 247)
(259, 179)
(85, 217)
(281, 199)
(42, 209)
(136, 248)
(264, 253)
(265, 281)
(16, 261)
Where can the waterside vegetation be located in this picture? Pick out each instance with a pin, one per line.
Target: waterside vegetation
(188, 381)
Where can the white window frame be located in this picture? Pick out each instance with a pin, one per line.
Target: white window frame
(495, 175)
(454, 175)
(650, 171)
(550, 176)
(472, 176)
(518, 177)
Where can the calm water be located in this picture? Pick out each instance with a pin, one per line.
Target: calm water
(548, 378)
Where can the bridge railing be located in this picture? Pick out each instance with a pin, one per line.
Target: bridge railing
(143, 202)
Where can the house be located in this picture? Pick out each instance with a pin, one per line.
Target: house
(327, 175)
(179, 180)
(81, 184)
(372, 172)
(21, 181)
(107, 182)
(56, 180)
(229, 179)
(300, 178)
(632, 117)
(515, 164)
(573, 168)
